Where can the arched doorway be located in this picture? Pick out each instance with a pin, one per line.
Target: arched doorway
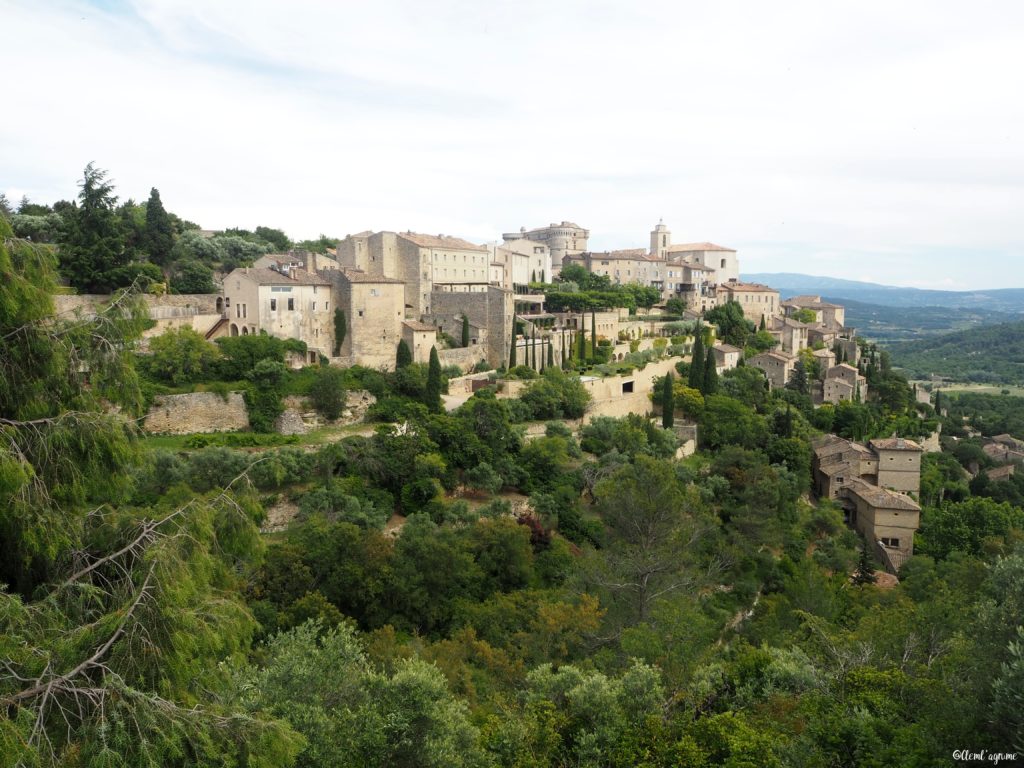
(220, 305)
(234, 329)
(245, 330)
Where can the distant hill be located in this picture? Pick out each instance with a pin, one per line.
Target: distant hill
(886, 324)
(791, 284)
(993, 353)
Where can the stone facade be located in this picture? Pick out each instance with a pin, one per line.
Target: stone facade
(374, 310)
(490, 309)
(759, 302)
(777, 367)
(565, 239)
(842, 383)
(196, 412)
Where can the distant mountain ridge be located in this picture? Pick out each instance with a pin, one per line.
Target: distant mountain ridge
(793, 283)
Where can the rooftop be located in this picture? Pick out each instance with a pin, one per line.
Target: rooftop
(267, 276)
(698, 247)
(416, 325)
(441, 241)
(358, 276)
(894, 444)
(726, 347)
(881, 497)
(747, 287)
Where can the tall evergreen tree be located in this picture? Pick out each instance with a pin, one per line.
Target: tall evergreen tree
(465, 330)
(432, 392)
(798, 379)
(710, 374)
(533, 349)
(340, 330)
(581, 336)
(762, 326)
(403, 357)
(668, 404)
(695, 379)
(551, 354)
(90, 241)
(593, 333)
(865, 572)
(159, 230)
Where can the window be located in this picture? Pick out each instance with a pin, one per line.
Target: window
(312, 304)
(374, 292)
(327, 305)
(723, 263)
(360, 313)
(888, 542)
(273, 305)
(291, 304)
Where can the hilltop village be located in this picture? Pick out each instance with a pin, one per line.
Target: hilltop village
(541, 298)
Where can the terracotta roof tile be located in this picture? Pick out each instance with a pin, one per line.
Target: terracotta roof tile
(441, 241)
(698, 247)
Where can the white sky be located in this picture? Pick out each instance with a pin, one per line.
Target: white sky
(877, 141)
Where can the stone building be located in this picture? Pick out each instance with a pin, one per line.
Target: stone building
(777, 367)
(521, 262)
(721, 260)
(565, 239)
(299, 305)
(831, 316)
(374, 308)
(420, 338)
(791, 334)
(843, 382)
(727, 356)
(491, 310)
(759, 302)
(872, 484)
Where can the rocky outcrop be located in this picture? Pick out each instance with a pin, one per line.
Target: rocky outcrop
(197, 412)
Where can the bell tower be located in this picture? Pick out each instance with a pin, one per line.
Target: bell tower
(661, 239)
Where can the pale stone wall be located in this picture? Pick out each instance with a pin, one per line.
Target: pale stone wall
(197, 412)
(464, 357)
(490, 309)
(166, 306)
(374, 313)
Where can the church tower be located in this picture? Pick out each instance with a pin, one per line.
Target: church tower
(661, 239)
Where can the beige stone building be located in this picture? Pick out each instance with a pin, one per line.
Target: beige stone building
(843, 382)
(564, 239)
(521, 262)
(420, 338)
(777, 367)
(295, 306)
(872, 484)
(758, 301)
(831, 316)
(791, 334)
(374, 308)
(727, 356)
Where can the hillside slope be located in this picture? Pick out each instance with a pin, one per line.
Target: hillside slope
(993, 353)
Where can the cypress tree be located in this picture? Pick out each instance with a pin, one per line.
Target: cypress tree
(159, 231)
(533, 349)
(762, 326)
(403, 357)
(432, 392)
(865, 573)
(593, 333)
(340, 330)
(696, 377)
(512, 352)
(710, 374)
(551, 354)
(465, 330)
(581, 336)
(668, 404)
(938, 402)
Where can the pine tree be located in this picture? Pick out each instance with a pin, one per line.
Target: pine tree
(696, 378)
(668, 404)
(865, 572)
(465, 330)
(710, 374)
(403, 357)
(432, 392)
(90, 241)
(159, 238)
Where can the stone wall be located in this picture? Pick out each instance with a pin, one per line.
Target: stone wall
(160, 307)
(196, 412)
(464, 357)
(490, 309)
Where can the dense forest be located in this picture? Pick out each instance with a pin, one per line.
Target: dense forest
(638, 610)
(988, 354)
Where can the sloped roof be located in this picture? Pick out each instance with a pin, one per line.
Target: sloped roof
(358, 276)
(416, 325)
(726, 347)
(747, 287)
(882, 498)
(441, 241)
(267, 276)
(698, 247)
(895, 444)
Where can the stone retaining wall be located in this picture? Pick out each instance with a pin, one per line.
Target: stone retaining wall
(197, 412)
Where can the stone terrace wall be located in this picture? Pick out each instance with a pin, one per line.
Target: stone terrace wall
(464, 357)
(197, 412)
(160, 307)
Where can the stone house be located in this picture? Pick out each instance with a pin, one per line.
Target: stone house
(844, 382)
(872, 484)
(826, 359)
(777, 366)
(727, 356)
(791, 334)
(521, 262)
(759, 302)
(831, 316)
(420, 338)
(374, 308)
(299, 305)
